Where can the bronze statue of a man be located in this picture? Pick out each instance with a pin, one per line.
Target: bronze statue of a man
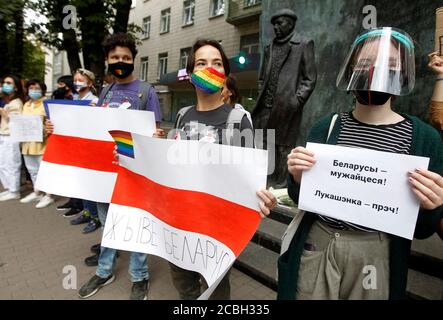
(286, 81)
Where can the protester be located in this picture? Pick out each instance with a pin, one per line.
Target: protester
(231, 95)
(84, 85)
(327, 257)
(65, 89)
(436, 111)
(2, 101)
(127, 92)
(33, 151)
(207, 121)
(10, 156)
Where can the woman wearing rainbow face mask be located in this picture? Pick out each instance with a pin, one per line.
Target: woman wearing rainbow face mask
(33, 151)
(209, 66)
(10, 158)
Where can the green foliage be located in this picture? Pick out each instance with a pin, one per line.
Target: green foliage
(33, 61)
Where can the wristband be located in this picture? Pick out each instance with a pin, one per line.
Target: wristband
(439, 78)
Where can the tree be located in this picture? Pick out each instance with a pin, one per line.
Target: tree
(12, 36)
(94, 20)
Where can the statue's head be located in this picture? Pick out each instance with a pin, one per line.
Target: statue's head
(284, 23)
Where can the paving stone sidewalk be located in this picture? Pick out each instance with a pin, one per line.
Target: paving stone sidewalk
(39, 247)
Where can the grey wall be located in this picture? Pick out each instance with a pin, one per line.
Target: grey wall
(333, 25)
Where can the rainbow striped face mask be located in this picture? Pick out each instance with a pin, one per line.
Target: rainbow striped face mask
(208, 80)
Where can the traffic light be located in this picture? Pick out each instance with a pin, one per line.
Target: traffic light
(242, 60)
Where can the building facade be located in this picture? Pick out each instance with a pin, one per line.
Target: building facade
(170, 27)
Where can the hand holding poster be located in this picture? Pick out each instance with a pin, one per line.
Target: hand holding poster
(191, 203)
(26, 128)
(78, 161)
(361, 186)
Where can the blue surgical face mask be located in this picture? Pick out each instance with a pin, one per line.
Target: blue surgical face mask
(35, 94)
(7, 88)
(79, 86)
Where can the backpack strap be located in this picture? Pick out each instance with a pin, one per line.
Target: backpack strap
(235, 118)
(103, 94)
(180, 114)
(143, 93)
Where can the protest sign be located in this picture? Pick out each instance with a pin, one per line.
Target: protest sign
(199, 213)
(361, 186)
(78, 161)
(26, 128)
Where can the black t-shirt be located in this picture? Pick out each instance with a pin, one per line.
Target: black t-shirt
(208, 126)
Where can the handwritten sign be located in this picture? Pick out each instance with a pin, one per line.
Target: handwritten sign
(361, 186)
(199, 215)
(26, 128)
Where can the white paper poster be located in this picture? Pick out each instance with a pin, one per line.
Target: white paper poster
(361, 186)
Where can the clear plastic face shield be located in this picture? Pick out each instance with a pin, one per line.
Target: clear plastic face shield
(381, 60)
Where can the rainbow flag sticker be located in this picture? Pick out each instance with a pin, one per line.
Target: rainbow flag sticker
(125, 145)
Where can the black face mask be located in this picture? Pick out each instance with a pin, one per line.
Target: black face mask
(121, 70)
(60, 93)
(371, 97)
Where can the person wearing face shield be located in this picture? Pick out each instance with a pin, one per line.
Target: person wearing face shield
(321, 265)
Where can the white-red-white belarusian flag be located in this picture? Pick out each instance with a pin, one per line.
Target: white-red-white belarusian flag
(192, 203)
(78, 161)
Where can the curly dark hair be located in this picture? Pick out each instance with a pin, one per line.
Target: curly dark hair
(120, 40)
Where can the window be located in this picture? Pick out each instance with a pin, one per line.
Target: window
(162, 64)
(250, 44)
(144, 69)
(249, 3)
(184, 55)
(217, 7)
(146, 27)
(188, 12)
(165, 20)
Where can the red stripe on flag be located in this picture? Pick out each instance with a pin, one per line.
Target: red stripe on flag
(80, 152)
(121, 134)
(193, 211)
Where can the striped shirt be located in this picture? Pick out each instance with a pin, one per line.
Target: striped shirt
(396, 138)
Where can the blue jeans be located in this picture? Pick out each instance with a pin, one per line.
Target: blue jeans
(138, 262)
(91, 207)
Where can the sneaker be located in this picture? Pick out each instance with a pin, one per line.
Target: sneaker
(93, 225)
(92, 261)
(65, 206)
(96, 248)
(10, 196)
(33, 196)
(44, 202)
(3, 193)
(140, 290)
(93, 285)
(72, 212)
(85, 217)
